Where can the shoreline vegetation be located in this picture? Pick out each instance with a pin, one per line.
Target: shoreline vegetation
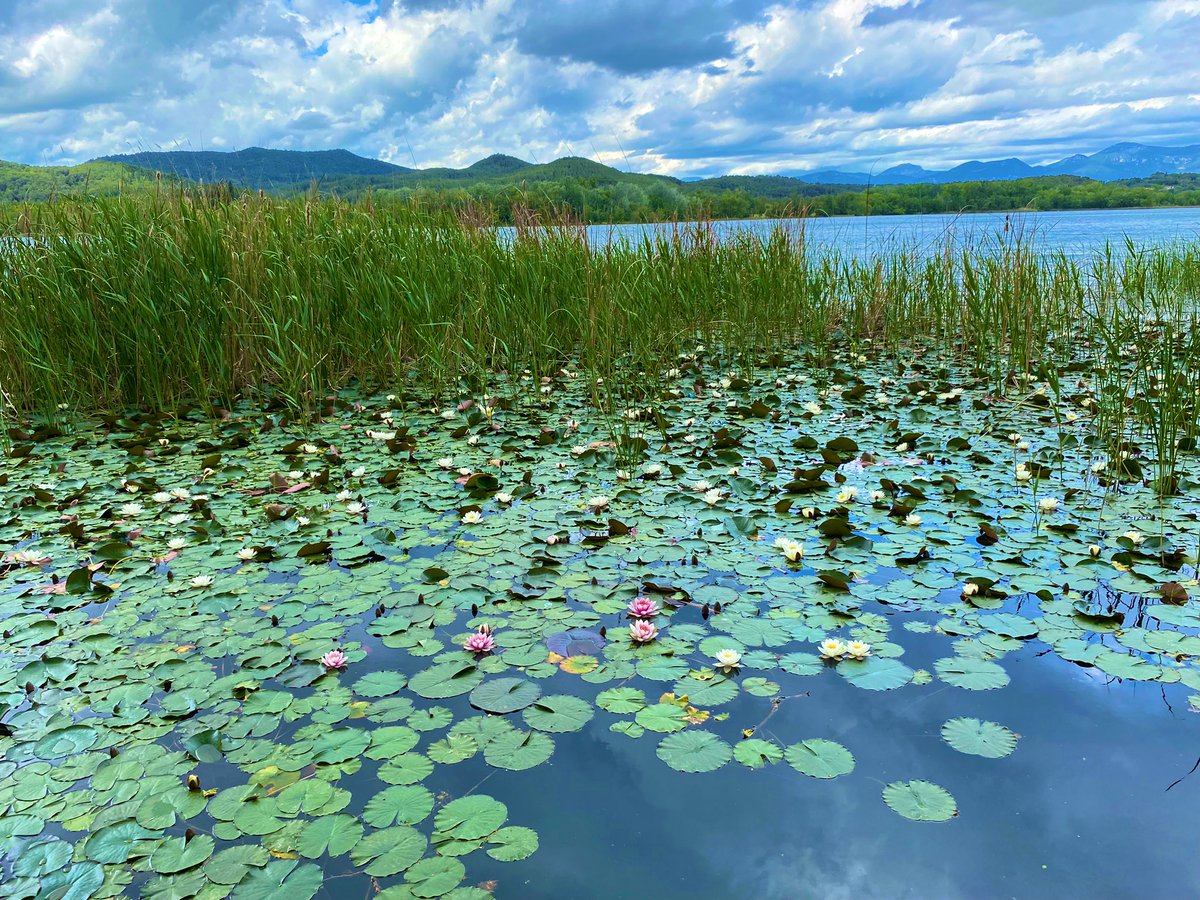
(582, 191)
(171, 302)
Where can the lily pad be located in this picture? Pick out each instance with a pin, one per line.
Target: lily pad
(505, 695)
(820, 758)
(694, 751)
(921, 801)
(979, 738)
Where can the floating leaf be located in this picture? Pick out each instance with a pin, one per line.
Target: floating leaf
(401, 805)
(755, 753)
(280, 878)
(875, 673)
(979, 738)
(334, 835)
(512, 843)
(390, 851)
(621, 700)
(972, 674)
(558, 714)
(518, 750)
(820, 758)
(921, 801)
(470, 818)
(434, 877)
(694, 751)
(179, 854)
(505, 695)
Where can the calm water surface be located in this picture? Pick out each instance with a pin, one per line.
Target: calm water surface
(1075, 232)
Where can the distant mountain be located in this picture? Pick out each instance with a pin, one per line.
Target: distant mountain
(34, 184)
(1127, 160)
(257, 167)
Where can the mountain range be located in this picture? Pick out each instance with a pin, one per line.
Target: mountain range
(265, 169)
(1125, 160)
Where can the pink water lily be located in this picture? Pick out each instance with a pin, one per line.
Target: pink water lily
(642, 631)
(481, 641)
(642, 608)
(334, 659)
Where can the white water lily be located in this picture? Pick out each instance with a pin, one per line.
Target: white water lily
(302, 520)
(310, 449)
(1094, 550)
(579, 450)
(598, 502)
(177, 519)
(1014, 438)
(504, 497)
(652, 469)
(832, 648)
(808, 512)
(129, 510)
(381, 435)
(202, 581)
(727, 659)
(247, 553)
(912, 520)
(858, 649)
(793, 551)
(1135, 537)
(359, 472)
(1023, 473)
(1098, 467)
(902, 447)
(345, 496)
(813, 409)
(970, 589)
(701, 486)
(448, 414)
(160, 497)
(847, 495)
(472, 517)
(355, 508)
(689, 438)
(177, 543)
(295, 474)
(473, 440)
(877, 496)
(465, 471)
(1047, 504)
(713, 497)
(1023, 445)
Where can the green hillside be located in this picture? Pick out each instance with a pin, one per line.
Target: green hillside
(257, 167)
(35, 184)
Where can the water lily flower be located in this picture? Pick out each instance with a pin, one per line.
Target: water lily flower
(359, 472)
(1094, 550)
(642, 608)
(970, 589)
(448, 413)
(858, 649)
(727, 659)
(202, 581)
(793, 551)
(504, 497)
(832, 648)
(713, 496)
(334, 659)
(598, 502)
(473, 440)
(481, 641)
(623, 475)
(160, 497)
(1047, 504)
(302, 520)
(1100, 466)
(877, 496)
(1022, 445)
(472, 517)
(643, 631)
(445, 462)
(846, 495)
(177, 543)
(912, 520)
(652, 470)
(310, 449)
(1014, 437)
(355, 508)
(177, 519)
(344, 496)
(813, 409)
(247, 553)
(1135, 537)
(27, 558)
(129, 510)
(902, 447)
(579, 450)
(1023, 473)
(465, 471)
(701, 486)
(808, 512)
(689, 438)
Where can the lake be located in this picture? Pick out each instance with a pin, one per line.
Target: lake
(1074, 232)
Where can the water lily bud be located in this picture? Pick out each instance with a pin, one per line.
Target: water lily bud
(716, 607)
(704, 611)
(29, 687)
(1094, 550)
(193, 782)
(112, 752)
(603, 631)
(167, 685)
(274, 621)
(474, 609)
(189, 834)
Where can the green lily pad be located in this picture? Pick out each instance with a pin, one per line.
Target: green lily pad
(559, 713)
(979, 738)
(505, 695)
(921, 801)
(694, 751)
(820, 758)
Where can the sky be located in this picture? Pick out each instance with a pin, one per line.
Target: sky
(681, 87)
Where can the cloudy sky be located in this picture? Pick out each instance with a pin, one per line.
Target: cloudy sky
(683, 87)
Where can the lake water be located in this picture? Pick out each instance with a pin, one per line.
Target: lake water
(1074, 232)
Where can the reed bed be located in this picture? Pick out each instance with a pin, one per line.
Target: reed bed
(159, 302)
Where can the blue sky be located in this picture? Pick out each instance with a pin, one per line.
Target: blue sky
(683, 87)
